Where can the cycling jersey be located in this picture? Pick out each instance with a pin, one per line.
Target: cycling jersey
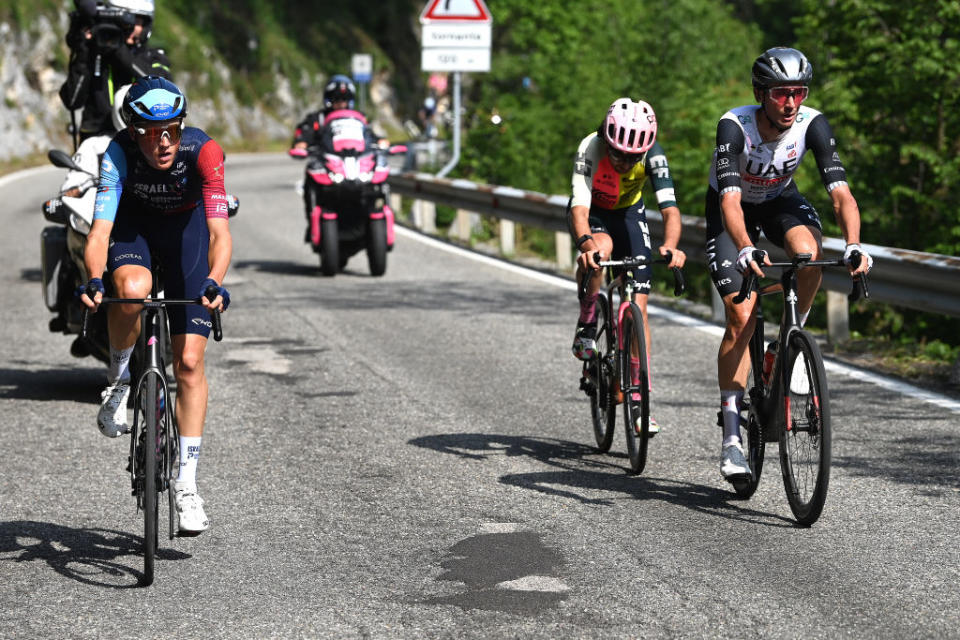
(760, 170)
(196, 178)
(597, 183)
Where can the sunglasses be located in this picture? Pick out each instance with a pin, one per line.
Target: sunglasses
(624, 158)
(154, 134)
(780, 95)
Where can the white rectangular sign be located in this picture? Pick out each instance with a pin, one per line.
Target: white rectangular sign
(455, 59)
(438, 34)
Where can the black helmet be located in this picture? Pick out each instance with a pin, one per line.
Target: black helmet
(781, 65)
(338, 88)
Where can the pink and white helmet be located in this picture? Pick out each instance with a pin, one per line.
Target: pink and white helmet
(630, 127)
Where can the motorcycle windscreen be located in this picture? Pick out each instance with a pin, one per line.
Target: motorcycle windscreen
(347, 135)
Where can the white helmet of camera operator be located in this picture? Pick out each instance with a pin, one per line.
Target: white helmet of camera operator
(143, 8)
(115, 114)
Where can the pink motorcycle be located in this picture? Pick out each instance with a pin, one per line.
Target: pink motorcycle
(346, 192)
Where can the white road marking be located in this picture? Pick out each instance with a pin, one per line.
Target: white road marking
(547, 584)
(499, 527)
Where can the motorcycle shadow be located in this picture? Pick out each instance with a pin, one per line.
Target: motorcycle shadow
(278, 267)
(74, 384)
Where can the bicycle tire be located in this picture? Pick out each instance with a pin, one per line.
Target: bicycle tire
(636, 398)
(152, 383)
(754, 443)
(603, 409)
(805, 434)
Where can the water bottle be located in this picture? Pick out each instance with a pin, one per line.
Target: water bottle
(768, 357)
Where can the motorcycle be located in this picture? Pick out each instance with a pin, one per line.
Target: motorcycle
(347, 193)
(62, 245)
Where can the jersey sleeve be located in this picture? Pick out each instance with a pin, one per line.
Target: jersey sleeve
(583, 170)
(210, 168)
(730, 141)
(113, 171)
(823, 145)
(659, 171)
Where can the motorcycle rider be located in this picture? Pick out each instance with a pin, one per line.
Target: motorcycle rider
(338, 94)
(108, 48)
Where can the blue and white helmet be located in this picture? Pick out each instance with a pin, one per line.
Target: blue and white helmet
(153, 99)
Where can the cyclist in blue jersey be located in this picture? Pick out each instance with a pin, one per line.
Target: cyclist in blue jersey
(161, 196)
(752, 190)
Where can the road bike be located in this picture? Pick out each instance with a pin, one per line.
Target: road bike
(788, 401)
(620, 370)
(154, 442)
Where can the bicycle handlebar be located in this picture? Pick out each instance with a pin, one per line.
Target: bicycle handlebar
(860, 287)
(210, 294)
(679, 283)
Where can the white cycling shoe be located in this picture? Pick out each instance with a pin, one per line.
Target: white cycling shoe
(112, 417)
(193, 519)
(733, 464)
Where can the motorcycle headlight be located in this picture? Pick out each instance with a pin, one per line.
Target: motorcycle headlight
(78, 224)
(366, 176)
(336, 177)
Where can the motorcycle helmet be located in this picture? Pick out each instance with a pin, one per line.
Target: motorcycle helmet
(142, 8)
(152, 99)
(630, 127)
(339, 87)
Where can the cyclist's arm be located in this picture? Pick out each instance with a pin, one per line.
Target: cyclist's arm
(823, 145)
(658, 169)
(730, 141)
(582, 186)
(210, 167)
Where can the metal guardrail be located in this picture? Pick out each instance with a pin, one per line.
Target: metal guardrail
(925, 281)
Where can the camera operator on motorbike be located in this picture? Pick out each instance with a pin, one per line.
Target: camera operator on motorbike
(161, 190)
(108, 45)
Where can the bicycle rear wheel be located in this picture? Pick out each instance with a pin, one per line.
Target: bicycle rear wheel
(751, 433)
(805, 437)
(600, 379)
(636, 395)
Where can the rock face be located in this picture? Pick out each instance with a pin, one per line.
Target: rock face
(32, 118)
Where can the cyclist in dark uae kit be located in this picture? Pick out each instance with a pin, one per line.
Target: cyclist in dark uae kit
(161, 190)
(752, 190)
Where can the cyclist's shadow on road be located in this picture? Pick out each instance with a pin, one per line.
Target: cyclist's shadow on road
(583, 474)
(90, 556)
(77, 384)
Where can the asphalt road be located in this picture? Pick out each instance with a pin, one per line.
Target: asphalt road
(409, 456)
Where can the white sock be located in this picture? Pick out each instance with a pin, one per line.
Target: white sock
(119, 367)
(730, 402)
(189, 456)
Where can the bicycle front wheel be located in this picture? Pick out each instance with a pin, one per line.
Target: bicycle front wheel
(153, 393)
(805, 436)
(636, 387)
(600, 378)
(751, 433)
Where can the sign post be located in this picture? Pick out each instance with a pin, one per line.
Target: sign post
(456, 37)
(361, 68)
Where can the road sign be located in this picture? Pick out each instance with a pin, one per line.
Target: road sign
(455, 59)
(456, 10)
(456, 34)
(361, 67)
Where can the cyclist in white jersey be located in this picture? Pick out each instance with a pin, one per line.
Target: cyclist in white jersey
(752, 190)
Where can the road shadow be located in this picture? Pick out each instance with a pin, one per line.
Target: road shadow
(89, 556)
(581, 473)
(279, 267)
(31, 275)
(72, 384)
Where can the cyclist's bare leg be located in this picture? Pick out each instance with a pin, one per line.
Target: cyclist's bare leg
(733, 364)
(188, 368)
(123, 320)
(604, 244)
(805, 240)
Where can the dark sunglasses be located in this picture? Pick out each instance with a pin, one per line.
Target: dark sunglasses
(780, 95)
(154, 134)
(624, 158)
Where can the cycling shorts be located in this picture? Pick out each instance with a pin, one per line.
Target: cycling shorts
(180, 243)
(774, 218)
(628, 229)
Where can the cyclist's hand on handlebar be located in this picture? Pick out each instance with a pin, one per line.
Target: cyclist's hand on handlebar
(222, 299)
(589, 260)
(747, 260)
(865, 261)
(91, 293)
(677, 258)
